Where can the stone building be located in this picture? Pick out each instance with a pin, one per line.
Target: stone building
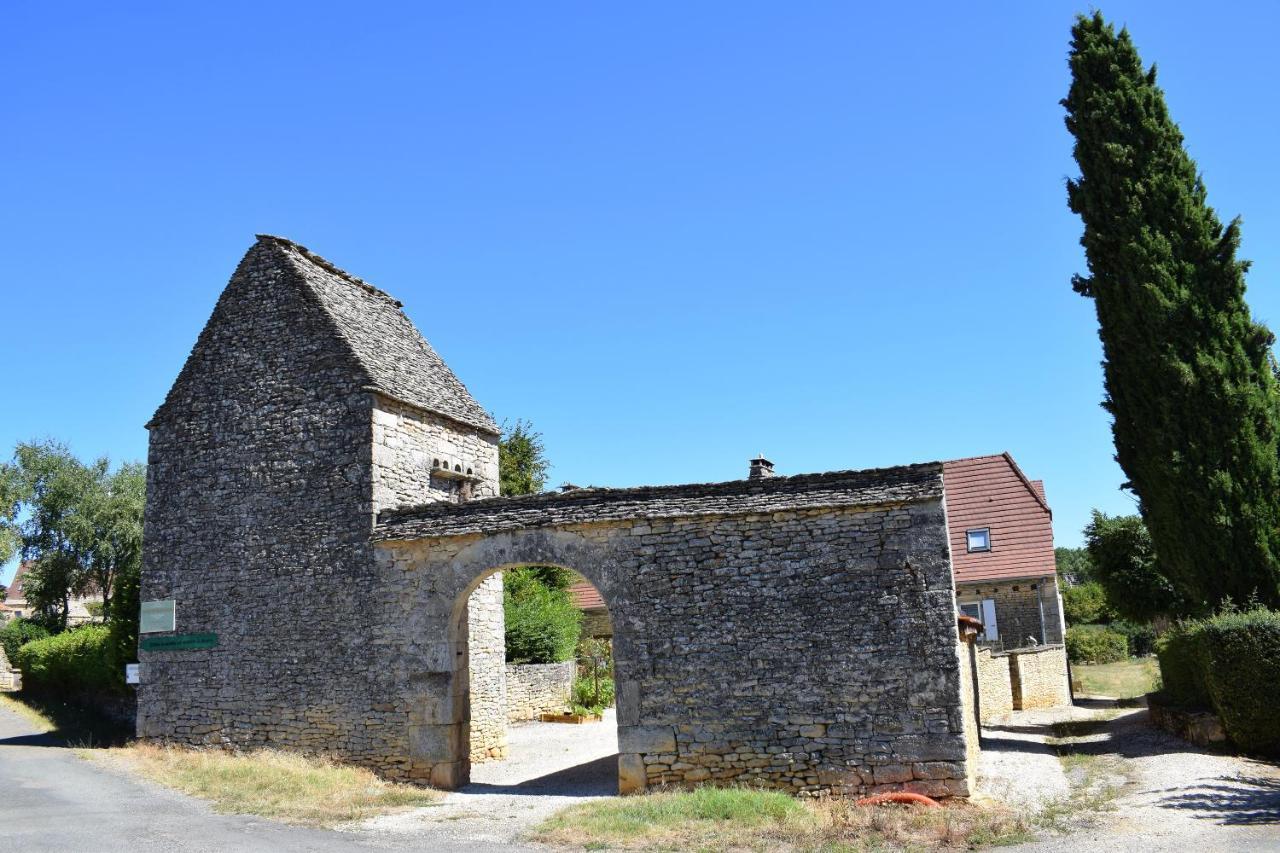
(322, 513)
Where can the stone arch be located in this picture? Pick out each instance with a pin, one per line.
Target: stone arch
(481, 560)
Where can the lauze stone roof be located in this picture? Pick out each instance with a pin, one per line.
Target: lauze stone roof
(388, 349)
(876, 487)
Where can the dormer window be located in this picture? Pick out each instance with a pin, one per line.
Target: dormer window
(979, 539)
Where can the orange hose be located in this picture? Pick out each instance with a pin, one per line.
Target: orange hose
(900, 797)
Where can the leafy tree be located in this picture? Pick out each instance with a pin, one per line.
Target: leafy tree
(1074, 565)
(542, 622)
(1125, 563)
(79, 525)
(522, 461)
(1084, 603)
(1189, 373)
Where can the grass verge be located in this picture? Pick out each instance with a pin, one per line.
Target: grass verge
(746, 819)
(1126, 679)
(279, 785)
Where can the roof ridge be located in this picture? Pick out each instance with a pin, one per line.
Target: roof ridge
(1008, 457)
(328, 266)
(1027, 483)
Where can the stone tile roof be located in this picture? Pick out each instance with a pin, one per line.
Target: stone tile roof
(875, 487)
(399, 362)
(992, 492)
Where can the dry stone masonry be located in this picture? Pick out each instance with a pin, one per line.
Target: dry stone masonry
(321, 495)
(534, 689)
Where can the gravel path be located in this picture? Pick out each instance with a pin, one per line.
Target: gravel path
(1178, 797)
(550, 766)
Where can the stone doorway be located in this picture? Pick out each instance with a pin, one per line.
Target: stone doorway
(507, 743)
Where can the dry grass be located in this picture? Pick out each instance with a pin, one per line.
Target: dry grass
(1125, 679)
(280, 785)
(744, 819)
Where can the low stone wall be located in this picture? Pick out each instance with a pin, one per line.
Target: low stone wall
(1039, 678)
(534, 689)
(1203, 728)
(1021, 680)
(995, 690)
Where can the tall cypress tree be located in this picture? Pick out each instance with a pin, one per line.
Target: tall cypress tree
(1188, 372)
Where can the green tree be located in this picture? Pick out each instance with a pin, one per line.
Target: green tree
(1074, 565)
(1084, 603)
(542, 622)
(1188, 372)
(522, 461)
(79, 525)
(1125, 563)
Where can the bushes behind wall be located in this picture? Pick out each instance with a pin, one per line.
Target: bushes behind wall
(1231, 664)
(1093, 645)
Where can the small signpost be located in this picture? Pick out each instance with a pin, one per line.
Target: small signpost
(131, 675)
(156, 616)
(178, 642)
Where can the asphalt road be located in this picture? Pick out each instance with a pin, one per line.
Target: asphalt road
(51, 799)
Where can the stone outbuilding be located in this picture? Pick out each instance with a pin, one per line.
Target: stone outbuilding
(322, 512)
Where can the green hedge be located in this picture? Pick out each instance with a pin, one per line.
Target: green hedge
(16, 633)
(1091, 645)
(1230, 663)
(74, 662)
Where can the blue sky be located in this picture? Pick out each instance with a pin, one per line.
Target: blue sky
(671, 235)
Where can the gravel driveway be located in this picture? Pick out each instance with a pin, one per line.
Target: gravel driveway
(1177, 797)
(550, 766)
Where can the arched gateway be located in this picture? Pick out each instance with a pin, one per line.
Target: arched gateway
(322, 513)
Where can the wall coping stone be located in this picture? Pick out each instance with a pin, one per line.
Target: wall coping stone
(877, 487)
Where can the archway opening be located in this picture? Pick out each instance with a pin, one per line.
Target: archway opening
(535, 646)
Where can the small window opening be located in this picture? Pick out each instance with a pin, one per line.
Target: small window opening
(979, 539)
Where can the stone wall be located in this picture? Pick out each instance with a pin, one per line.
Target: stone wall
(707, 610)
(995, 687)
(1039, 678)
(596, 623)
(412, 450)
(1021, 680)
(968, 651)
(487, 672)
(534, 689)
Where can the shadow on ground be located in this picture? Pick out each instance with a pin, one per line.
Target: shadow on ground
(73, 725)
(598, 778)
(1244, 801)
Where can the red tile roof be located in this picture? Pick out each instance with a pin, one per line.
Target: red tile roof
(586, 596)
(992, 492)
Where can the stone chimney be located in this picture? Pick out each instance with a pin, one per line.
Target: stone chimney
(761, 468)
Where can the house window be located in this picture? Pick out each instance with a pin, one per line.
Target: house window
(980, 539)
(984, 610)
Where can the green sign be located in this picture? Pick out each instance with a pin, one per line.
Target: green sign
(178, 642)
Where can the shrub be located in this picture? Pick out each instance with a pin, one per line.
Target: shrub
(1240, 653)
(1084, 604)
(542, 622)
(1230, 663)
(1142, 638)
(1088, 645)
(17, 633)
(73, 662)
